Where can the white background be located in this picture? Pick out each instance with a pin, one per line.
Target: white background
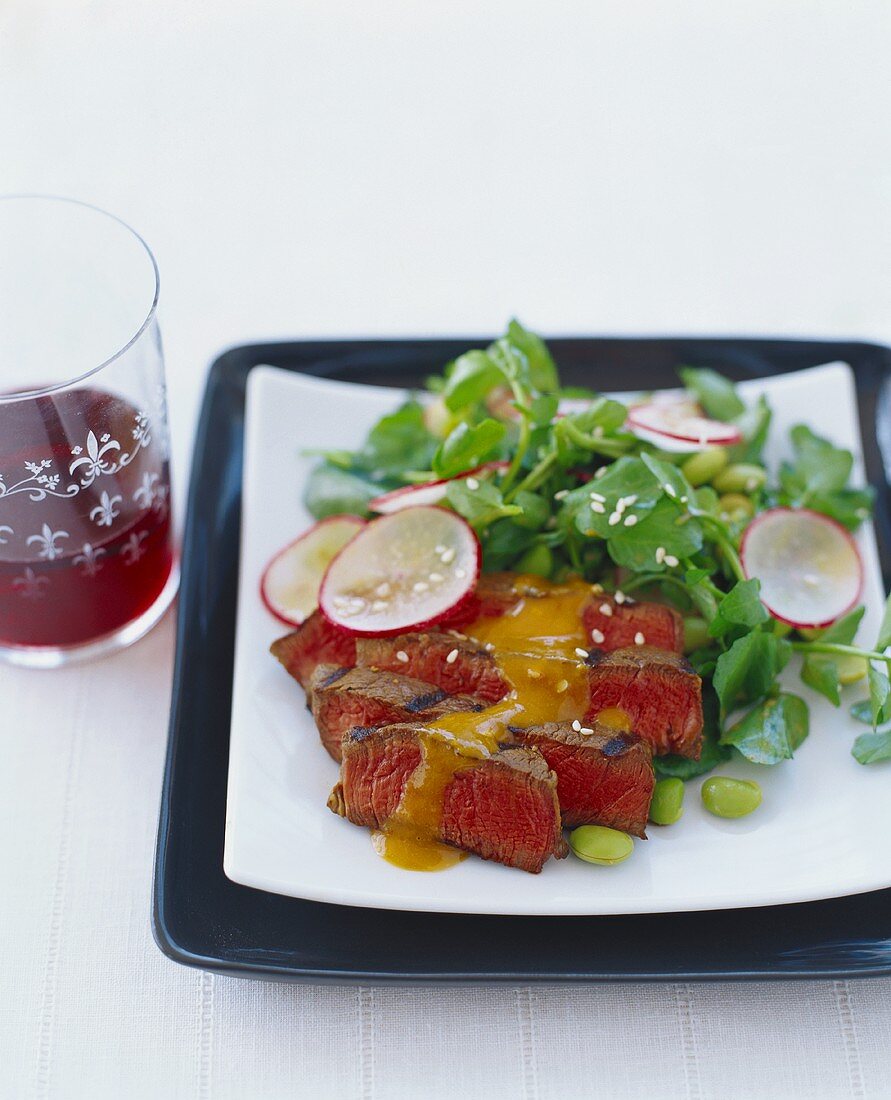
(336, 168)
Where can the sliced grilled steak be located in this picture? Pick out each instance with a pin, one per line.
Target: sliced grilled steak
(343, 698)
(603, 777)
(658, 690)
(503, 808)
(314, 643)
(495, 594)
(451, 662)
(610, 625)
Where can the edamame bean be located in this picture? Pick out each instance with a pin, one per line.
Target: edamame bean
(667, 805)
(700, 468)
(726, 797)
(696, 633)
(597, 844)
(537, 560)
(736, 507)
(740, 477)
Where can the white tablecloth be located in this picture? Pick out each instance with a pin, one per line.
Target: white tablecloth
(307, 168)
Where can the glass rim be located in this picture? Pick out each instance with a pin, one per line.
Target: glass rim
(42, 391)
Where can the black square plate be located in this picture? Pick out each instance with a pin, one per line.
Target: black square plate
(202, 919)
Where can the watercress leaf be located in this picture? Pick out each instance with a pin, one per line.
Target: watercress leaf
(879, 696)
(747, 670)
(603, 413)
(870, 748)
(399, 441)
(331, 491)
(862, 711)
(713, 752)
(713, 391)
(511, 361)
(542, 369)
(543, 409)
(472, 376)
(636, 547)
(480, 506)
(819, 467)
(625, 477)
(884, 638)
(467, 446)
(850, 507)
(844, 630)
(504, 542)
(741, 607)
(754, 424)
(695, 576)
(820, 672)
(534, 510)
(670, 479)
(771, 731)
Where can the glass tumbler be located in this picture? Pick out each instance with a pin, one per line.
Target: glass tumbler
(87, 561)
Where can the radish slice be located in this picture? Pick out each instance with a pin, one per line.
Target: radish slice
(682, 422)
(809, 567)
(402, 572)
(428, 492)
(290, 583)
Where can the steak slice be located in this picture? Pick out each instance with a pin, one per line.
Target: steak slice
(450, 661)
(603, 777)
(343, 698)
(495, 594)
(503, 808)
(313, 643)
(611, 625)
(658, 690)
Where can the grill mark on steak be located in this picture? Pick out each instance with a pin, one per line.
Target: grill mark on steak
(602, 778)
(365, 698)
(658, 690)
(502, 808)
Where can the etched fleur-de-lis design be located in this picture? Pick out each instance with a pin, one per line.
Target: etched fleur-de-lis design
(88, 558)
(94, 460)
(147, 492)
(105, 513)
(161, 505)
(5, 532)
(47, 540)
(29, 586)
(132, 548)
(142, 432)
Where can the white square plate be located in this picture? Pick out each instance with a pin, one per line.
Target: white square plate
(823, 830)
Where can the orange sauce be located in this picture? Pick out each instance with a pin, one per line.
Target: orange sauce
(535, 647)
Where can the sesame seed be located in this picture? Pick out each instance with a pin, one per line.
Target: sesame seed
(596, 589)
(598, 637)
(671, 561)
(576, 725)
(488, 647)
(382, 589)
(632, 499)
(460, 574)
(402, 656)
(615, 518)
(600, 471)
(561, 495)
(452, 657)
(585, 729)
(440, 549)
(685, 500)
(619, 596)
(472, 483)
(579, 652)
(379, 605)
(639, 639)
(436, 577)
(621, 505)
(447, 555)
(597, 507)
(533, 673)
(630, 521)
(420, 586)
(669, 489)
(561, 686)
(660, 555)
(606, 609)
(597, 496)
(862, 513)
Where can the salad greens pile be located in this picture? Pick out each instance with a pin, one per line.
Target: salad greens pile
(535, 450)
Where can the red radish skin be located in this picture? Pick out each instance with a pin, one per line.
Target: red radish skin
(269, 602)
(414, 618)
(427, 493)
(821, 622)
(650, 418)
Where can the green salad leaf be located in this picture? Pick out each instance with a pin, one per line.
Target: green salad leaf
(771, 731)
(715, 393)
(466, 447)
